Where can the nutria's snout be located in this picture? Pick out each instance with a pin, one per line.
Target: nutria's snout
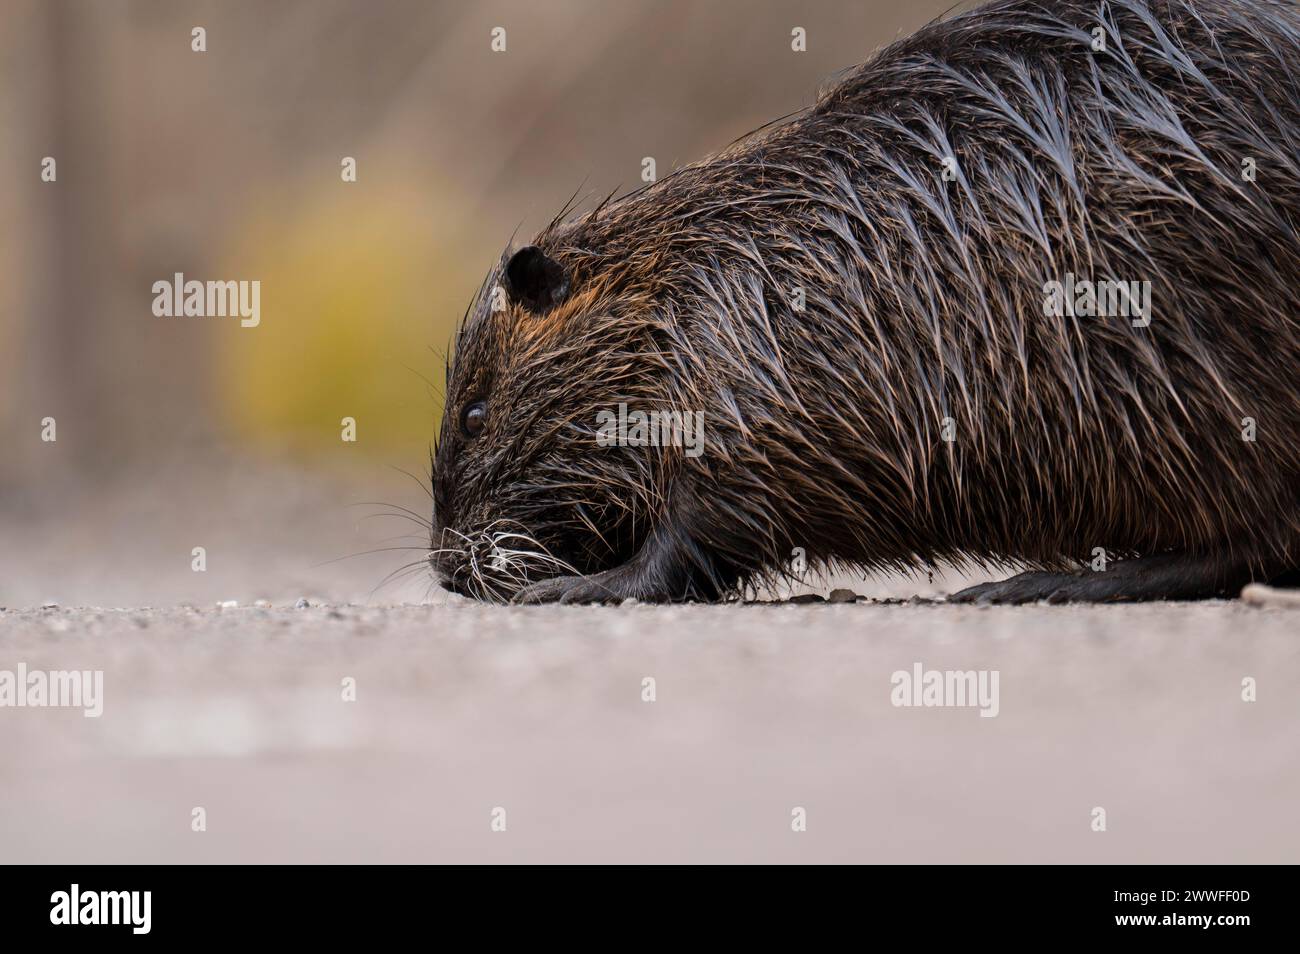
(493, 564)
(448, 584)
(447, 573)
(461, 567)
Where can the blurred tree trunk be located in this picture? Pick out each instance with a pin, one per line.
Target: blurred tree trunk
(71, 377)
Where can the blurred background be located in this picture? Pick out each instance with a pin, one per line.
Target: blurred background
(174, 433)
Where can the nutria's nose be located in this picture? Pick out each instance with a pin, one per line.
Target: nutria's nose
(444, 569)
(449, 584)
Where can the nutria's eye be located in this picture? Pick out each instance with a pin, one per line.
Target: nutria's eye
(475, 419)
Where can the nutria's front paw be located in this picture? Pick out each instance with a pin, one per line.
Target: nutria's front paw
(560, 589)
(612, 586)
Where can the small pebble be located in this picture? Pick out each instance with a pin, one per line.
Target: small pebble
(1257, 594)
(50, 605)
(262, 604)
(228, 604)
(807, 598)
(843, 596)
(301, 604)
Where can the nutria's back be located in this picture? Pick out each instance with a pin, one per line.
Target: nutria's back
(876, 307)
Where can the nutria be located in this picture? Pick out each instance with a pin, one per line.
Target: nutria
(866, 305)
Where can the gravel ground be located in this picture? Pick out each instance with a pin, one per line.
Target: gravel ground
(462, 709)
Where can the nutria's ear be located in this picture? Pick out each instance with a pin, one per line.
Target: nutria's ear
(535, 280)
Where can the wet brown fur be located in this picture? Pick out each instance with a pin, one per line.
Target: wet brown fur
(924, 302)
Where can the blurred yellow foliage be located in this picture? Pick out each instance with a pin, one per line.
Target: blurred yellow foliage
(360, 299)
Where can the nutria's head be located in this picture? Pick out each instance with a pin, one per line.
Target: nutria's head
(523, 491)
